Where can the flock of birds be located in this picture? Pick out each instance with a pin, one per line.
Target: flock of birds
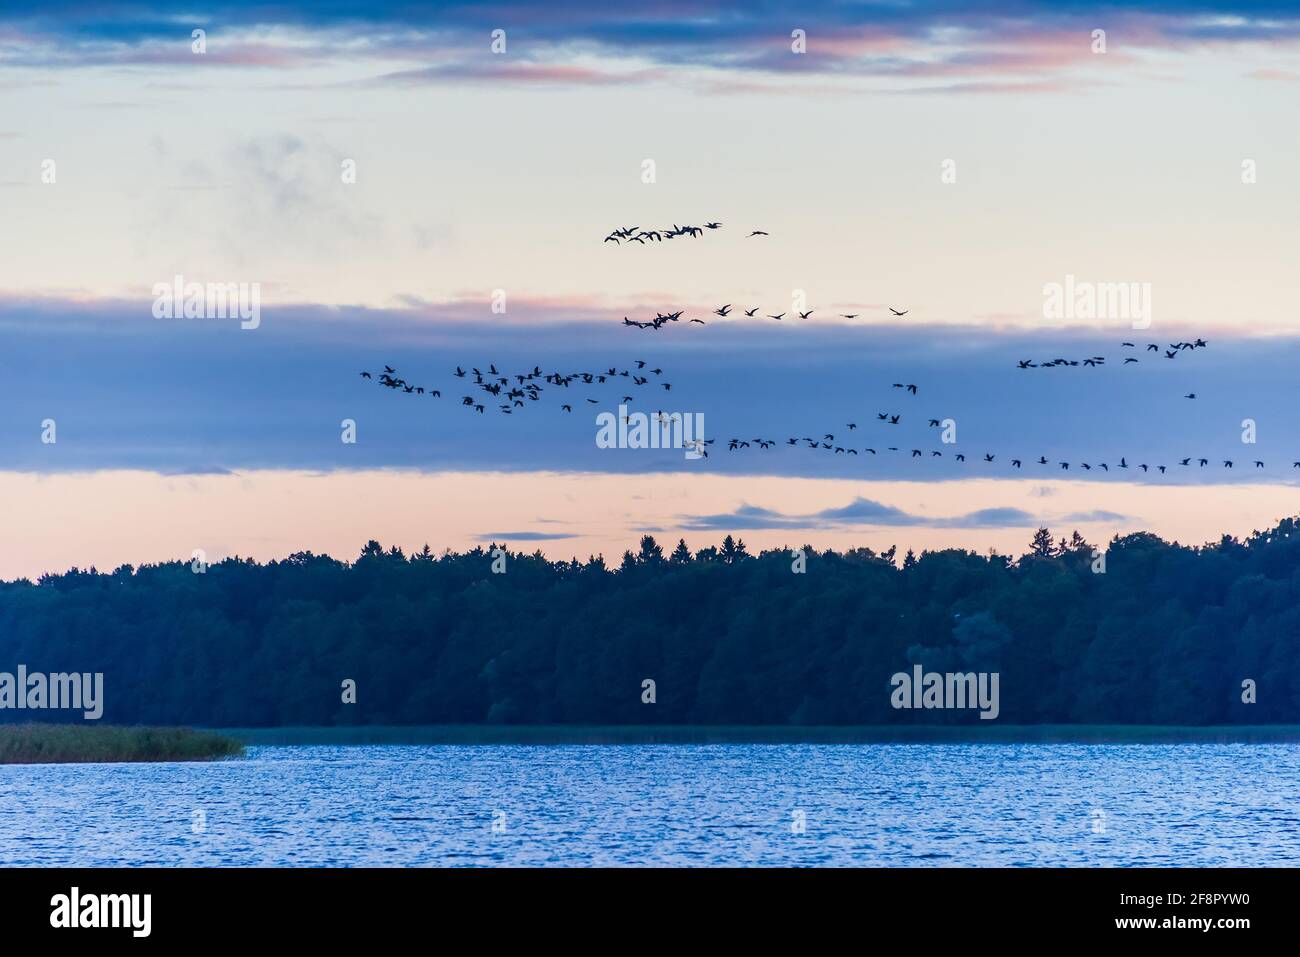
(635, 234)
(509, 392)
(1174, 350)
(829, 443)
(661, 319)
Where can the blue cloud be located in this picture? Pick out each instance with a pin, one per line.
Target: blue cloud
(130, 391)
(744, 518)
(990, 518)
(503, 537)
(1096, 515)
(979, 39)
(861, 511)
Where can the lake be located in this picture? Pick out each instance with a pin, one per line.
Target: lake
(699, 805)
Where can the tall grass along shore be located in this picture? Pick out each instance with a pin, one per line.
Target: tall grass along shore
(86, 744)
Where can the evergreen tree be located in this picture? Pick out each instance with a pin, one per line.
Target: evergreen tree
(651, 553)
(1041, 546)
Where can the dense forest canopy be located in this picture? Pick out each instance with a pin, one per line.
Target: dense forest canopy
(1159, 634)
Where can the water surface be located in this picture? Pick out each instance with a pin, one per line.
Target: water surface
(702, 805)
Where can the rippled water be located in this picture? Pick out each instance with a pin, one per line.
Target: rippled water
(667, 804)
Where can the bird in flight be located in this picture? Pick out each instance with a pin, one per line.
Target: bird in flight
(757, 232)
(897, 313)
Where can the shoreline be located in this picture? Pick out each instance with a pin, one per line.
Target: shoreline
(733, 734)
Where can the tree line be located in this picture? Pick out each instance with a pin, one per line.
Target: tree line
(1161, 633)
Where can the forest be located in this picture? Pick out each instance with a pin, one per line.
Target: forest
(1141, 631)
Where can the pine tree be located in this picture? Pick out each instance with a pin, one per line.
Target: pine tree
(651, 553)
(681, 554)
(1042, 546)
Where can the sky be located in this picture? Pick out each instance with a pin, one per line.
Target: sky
(398, 193)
